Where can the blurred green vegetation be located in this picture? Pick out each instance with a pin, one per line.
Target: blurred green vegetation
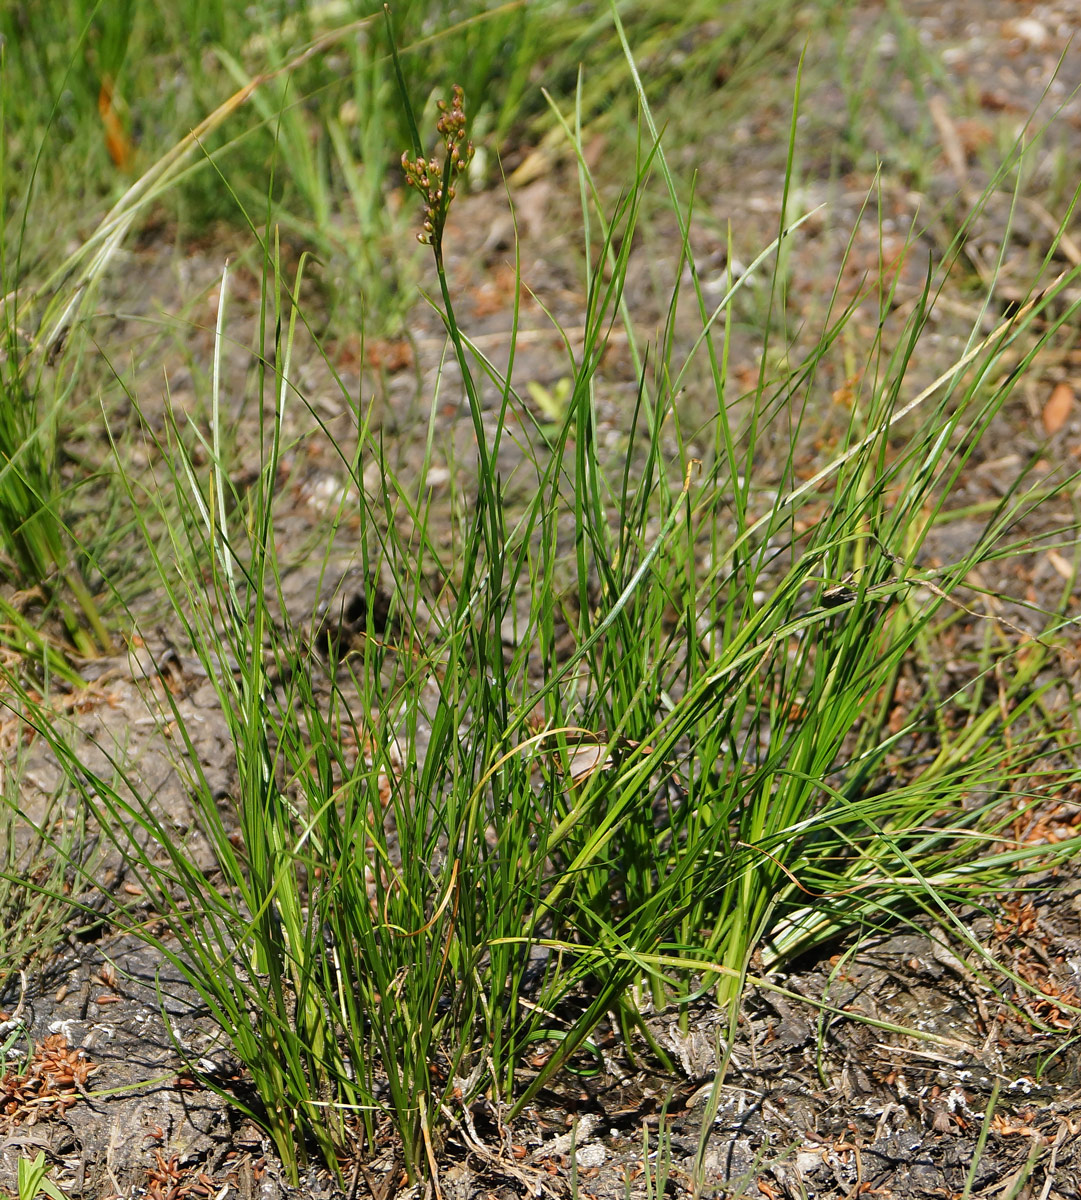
(94, 94)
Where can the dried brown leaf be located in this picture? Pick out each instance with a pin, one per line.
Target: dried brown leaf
(1056, 411)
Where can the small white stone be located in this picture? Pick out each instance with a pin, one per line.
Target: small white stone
(589, 1156)
(1028, 29)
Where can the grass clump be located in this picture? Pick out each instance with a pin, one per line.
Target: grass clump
(601, 749)
(449, 847)
(37, 553)
(39, 556)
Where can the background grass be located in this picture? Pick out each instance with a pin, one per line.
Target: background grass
(606, 746)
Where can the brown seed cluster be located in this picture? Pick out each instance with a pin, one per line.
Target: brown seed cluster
(51, 1083)
(434, 179)
(169, 1179)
